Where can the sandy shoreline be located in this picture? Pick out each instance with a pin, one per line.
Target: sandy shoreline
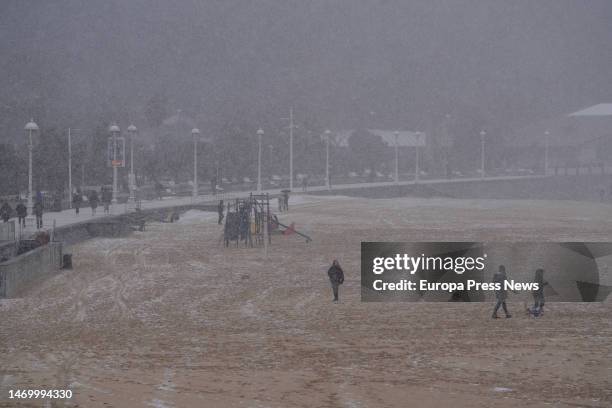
(169, 318)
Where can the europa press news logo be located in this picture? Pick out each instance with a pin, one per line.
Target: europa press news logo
(464, 271)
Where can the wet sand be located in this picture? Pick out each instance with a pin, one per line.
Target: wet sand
(170, 318)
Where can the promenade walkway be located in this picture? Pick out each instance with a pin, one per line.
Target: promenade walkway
(69, 216)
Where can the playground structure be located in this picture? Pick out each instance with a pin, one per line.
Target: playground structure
(249, 220)
(245, 221)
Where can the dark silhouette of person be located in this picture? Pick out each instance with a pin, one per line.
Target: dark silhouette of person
(77, 199)
(538, 294)
(501, 294)
(336, 277)
(38, 211)
(93, 201)
(6, 211)
(107, 197)
(220, 212)
(22, 212)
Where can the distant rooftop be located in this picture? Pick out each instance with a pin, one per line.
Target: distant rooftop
(574, 129)
(602, 109)
(404, 138)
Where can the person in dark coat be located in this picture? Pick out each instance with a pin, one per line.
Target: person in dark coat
(500, 277)
(106, 200)
(336, 277)
(38, 211)
(22, 212)
(5, 211)
(77, 199)
(93, 201)
(220, 211)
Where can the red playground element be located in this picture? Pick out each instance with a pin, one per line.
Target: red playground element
(276, 225)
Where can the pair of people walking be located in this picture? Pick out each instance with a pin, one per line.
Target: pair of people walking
(77, 201)
(502, 294)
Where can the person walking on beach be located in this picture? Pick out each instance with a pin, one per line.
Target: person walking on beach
(336, 278)
(500, 277)
(538, 294)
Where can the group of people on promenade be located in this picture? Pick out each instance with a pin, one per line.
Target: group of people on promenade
(21, 211)
(6, 211)
(93, 199)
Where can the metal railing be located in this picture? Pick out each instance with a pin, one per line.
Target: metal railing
(7, 231)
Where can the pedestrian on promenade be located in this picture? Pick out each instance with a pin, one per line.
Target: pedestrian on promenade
(38, 211)
(220, 212)
(5, 211)
(77, 199)
(106, 200)
(22, 212)
(93, 201)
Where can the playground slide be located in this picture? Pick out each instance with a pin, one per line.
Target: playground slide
(293, 230)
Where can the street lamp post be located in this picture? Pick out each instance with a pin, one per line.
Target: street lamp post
(416, 158)
(30, 127)
(291, 149)
(196, 134)
(260, 133)
(132, 131)
(69, 170)
(114, 131)
(482, 153)
(327, 136)
(546, 134)
(396, 134)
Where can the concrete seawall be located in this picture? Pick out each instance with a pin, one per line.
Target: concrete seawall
(119, 225)
(578, 187)
(8, 249)
(20, 272)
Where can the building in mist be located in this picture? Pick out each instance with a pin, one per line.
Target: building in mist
(578, 139)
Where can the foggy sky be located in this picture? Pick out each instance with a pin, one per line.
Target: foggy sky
(378, 63)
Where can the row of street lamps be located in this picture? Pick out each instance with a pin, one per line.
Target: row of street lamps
(31, 127)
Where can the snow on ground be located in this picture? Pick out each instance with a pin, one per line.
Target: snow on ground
(169, 317)
(197, 216)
